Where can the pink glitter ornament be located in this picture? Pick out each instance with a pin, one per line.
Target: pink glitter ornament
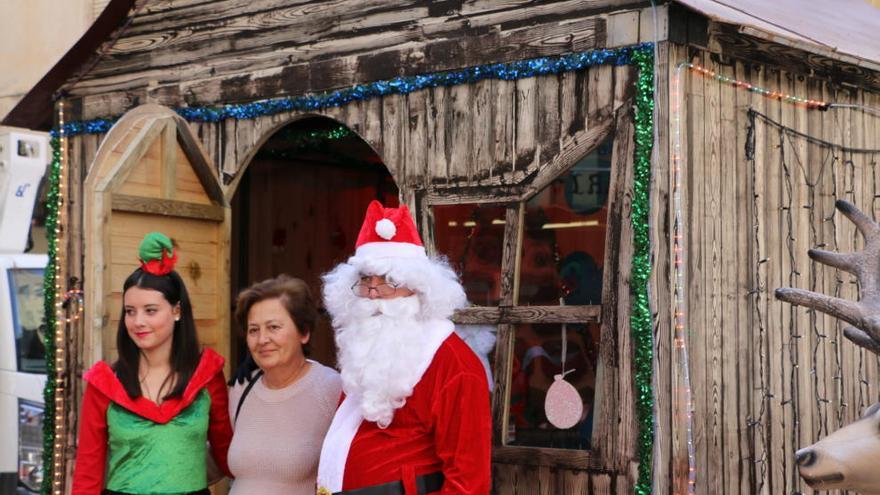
(563, 404)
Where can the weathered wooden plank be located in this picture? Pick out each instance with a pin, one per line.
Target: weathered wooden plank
(760, 411)
(731, 295)
(415, 141)
(568, 103)
(460, 132)
(233, 71)
(600, 94)
(534, 456)
(780, 423)
(739, 379)
(660, 284)
(527, 151)
(372, 111)
(623, 28)
(476, 315)
(481, 159)
(806, 406)
(503, 478)
(167, 207)
(712, 169)
(826, 66)
(821, 279)
(485, 195)
(622, 183)
(169, 160)
(511, 253)
(654, 24)
(394, 116)
(503, 371)
(548, 113)
(601, 484)
(436, 130)
(571, 481)
(503, 125)
(547, 481)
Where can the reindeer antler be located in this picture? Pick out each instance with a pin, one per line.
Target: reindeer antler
(864, 315)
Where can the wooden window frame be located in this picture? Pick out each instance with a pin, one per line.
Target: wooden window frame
(608, 451)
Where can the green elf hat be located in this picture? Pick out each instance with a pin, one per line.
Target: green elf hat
(157, 254)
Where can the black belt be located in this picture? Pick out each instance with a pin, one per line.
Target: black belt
(426, 483)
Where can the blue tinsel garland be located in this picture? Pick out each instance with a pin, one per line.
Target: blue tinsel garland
(399, 85)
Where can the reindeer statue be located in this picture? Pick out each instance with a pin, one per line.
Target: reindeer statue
(848, 459)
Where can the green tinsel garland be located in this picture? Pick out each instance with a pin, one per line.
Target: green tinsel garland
(640, 317)
(49, 301)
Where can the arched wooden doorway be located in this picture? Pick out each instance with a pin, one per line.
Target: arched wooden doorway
(151, 174)
(298, 207)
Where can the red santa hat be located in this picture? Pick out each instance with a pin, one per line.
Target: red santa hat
(389, 245)
(389, 233)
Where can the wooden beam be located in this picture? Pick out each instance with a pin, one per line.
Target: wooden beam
(201, 161)
(132, 155)
(167, 207)
(169, 160)
(481, 315)
(573, 149)
(535, 456)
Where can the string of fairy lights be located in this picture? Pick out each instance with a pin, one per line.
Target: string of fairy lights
(54, 424)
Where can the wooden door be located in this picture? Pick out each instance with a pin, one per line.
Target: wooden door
(151, 174)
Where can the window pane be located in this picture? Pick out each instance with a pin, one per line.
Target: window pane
(472, 237)
(564, 235)
(26, 292)
(537, 358)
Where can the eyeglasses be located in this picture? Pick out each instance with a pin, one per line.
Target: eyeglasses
(362, 289)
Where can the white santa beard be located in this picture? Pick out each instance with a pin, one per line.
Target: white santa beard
(382, 352)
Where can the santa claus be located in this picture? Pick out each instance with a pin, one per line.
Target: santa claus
(414, 417)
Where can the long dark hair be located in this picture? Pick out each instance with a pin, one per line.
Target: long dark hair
(185, 352)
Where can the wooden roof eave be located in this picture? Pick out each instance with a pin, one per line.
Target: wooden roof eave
(34, 111)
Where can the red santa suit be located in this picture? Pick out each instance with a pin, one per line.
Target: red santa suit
(444, 425)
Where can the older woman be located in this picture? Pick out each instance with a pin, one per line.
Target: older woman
(281, 416)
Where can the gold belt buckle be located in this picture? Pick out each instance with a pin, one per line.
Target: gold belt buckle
(323, 491)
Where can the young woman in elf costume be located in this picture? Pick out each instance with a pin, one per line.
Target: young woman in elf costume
(146, 419)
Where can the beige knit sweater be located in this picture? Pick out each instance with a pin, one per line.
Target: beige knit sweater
(278, 435)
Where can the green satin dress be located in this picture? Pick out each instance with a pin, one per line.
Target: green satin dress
(140, 449)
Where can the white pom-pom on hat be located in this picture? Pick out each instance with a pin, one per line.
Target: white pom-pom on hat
(386, 229)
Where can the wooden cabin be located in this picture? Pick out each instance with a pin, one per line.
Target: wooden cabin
(255, 132)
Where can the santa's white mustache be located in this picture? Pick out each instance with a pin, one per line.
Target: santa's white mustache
(400, 307)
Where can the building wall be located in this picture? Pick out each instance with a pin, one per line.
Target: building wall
(34, 35)
(767, 378)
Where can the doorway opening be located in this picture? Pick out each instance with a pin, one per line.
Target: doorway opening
(298, 210)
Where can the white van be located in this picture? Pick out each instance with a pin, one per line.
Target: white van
(23, 158)
(22, 372)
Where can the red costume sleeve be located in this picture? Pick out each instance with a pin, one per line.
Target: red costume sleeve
(219, 427)
(463, 434)
(91, 453)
